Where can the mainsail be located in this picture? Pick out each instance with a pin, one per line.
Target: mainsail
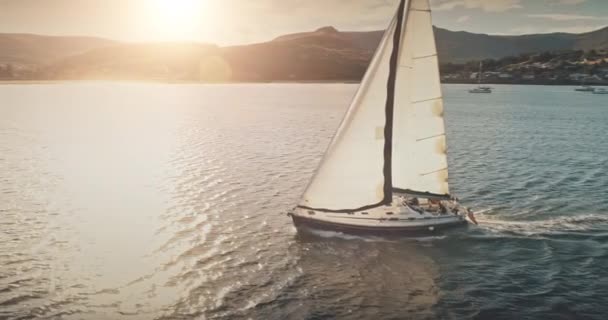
(392, 138)
(419, 145)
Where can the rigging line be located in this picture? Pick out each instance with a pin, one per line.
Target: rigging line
(425, 100)
(421, 193)
(421, 10)
(426, 174)
(431, 137)
(423, 57)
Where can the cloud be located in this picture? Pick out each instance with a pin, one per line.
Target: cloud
(485, 5)
(463, 19)
(564, 17)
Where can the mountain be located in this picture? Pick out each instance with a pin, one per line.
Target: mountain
(364, 40)
(323, 54)
(329, 54)
(592, 40)
(30, 49)
(458, 47)
(128, 61)
(462, 46)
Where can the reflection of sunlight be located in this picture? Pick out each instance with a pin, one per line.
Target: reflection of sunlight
(179, 19)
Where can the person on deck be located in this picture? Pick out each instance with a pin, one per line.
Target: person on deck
(442, 208)
(414, 202)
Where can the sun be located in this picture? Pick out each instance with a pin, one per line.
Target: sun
(179, 19)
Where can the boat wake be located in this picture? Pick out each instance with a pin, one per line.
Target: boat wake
(555, 225)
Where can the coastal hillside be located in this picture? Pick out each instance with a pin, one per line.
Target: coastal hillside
(326, 54)
(30, 49)
(462, 46)
(323, 55)
(157, 61)
(559, 67)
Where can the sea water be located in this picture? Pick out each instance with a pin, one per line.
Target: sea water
(156, 201)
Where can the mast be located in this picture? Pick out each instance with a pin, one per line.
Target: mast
(392, 138)
(390, 105)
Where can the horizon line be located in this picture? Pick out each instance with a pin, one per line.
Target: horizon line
(286, 34)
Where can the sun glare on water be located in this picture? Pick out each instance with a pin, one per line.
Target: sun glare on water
(178, 20)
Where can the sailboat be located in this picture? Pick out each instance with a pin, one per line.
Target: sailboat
(600, 91)
(584, 87)
(386, 169)
(480, 88)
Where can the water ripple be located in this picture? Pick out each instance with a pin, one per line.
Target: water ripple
(174, 208)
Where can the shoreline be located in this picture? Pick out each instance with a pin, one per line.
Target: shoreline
(35, 82)
(25, 82)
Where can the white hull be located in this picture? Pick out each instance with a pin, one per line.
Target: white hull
(400, 219)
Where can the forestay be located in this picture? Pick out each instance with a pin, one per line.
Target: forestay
(392, 136)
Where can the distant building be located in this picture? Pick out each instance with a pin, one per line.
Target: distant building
(578, 76)
(450, 76)
(540, 65)
(490, 74)
(505, 76)
(528, 77)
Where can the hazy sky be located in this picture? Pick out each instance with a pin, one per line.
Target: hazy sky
(244, 21)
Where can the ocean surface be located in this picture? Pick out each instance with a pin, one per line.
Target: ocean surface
(154, 201)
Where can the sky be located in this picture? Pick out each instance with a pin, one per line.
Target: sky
(227, 22)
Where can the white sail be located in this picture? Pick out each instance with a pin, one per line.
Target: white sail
(399, 99)
(351, 172)
(419, 144)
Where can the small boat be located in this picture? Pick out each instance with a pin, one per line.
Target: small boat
(480, 88)
(386, 169)
(600, 91)
(585, 89)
